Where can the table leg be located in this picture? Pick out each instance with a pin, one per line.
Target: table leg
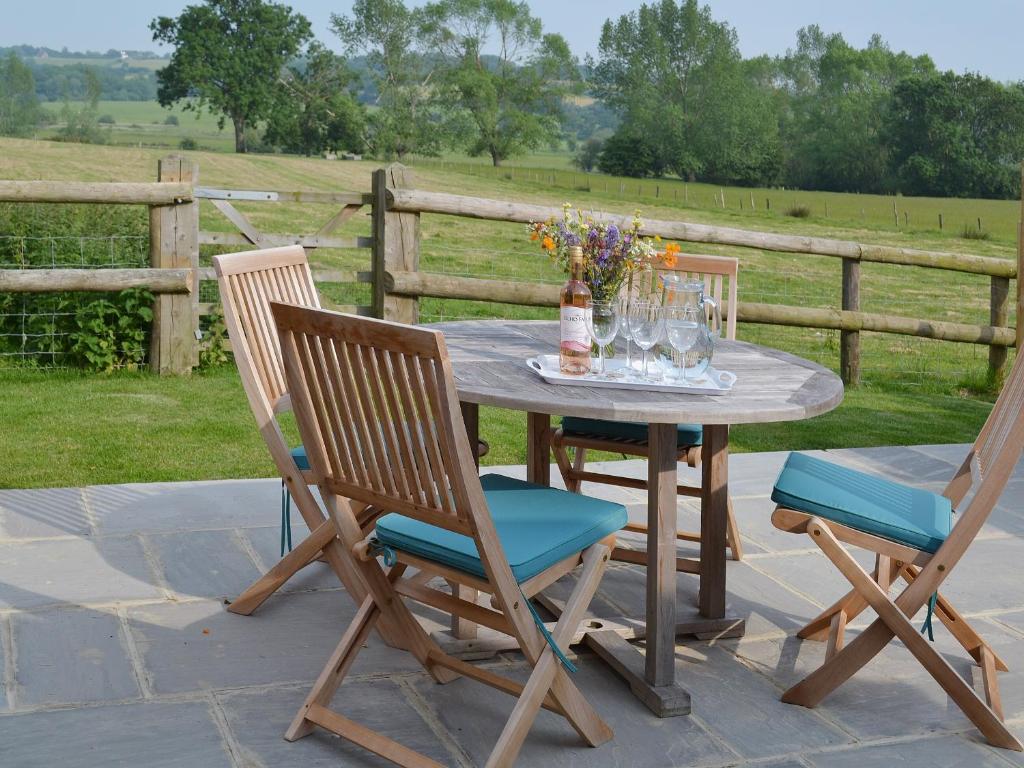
(661, 555)
(713, 520)
(538, 448)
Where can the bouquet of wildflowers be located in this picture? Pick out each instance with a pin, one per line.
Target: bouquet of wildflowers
(610, 253)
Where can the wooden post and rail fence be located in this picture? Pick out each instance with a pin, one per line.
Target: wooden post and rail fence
(398, 283)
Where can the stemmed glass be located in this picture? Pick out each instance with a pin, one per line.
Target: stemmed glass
(646, 324)
(603, 325)
(682, 326)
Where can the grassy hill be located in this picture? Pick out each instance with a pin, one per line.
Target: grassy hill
(915, 390)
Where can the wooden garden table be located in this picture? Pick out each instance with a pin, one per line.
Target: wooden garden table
(488, 358)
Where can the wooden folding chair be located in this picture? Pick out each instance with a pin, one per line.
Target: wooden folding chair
(913, 538)
(720, 276)
(248, 282)
(380, 418)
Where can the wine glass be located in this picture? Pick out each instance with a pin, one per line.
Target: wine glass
(682, 326)
(603, 325)
(646, 324)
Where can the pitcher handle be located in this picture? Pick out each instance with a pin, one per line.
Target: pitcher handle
(716, 312)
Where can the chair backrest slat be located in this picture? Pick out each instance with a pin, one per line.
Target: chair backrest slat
(712, 271)
(992, 440)
(249, 281)
(379, 399)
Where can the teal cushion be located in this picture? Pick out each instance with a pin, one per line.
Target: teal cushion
(537, 526)
(689, 434)
(893, 511)
(300, 458)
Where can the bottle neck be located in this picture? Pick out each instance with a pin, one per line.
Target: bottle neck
(576, 267)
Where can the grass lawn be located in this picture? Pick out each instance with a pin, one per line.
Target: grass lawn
(136, 427)
(72, 429)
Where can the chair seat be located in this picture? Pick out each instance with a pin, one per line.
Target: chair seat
(688, 434)
(893, 511)
(537, 526)
(300, 458)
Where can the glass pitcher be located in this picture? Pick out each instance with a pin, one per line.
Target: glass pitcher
(684, 291)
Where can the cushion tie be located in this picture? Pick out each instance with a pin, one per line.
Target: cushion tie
(927, 626)
(386, 552)
(286, 517)
(562, 658)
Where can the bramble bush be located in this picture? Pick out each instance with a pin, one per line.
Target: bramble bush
(97, 331)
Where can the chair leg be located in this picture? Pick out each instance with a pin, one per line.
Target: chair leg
(990, 682)
(836, 635)
(732, 533)
(893, 620)
(307, 551)
(579, 460)
(546, 672)
(563, 462)
(958, 626)
(337, 667)
(852, 604)
(462, 628)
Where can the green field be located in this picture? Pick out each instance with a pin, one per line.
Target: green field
(141, 123)
(914, 391)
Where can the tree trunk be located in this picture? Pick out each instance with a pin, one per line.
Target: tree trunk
(239, 123)
(495, 158)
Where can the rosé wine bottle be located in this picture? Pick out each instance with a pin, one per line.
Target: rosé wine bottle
(574, 347)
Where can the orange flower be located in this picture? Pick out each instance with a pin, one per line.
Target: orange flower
(672, 248)
(534, 235)
(669, 259)
(549, 244)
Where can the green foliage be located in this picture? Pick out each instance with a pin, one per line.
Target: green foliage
(957, 136)
(676, 77)
(214, 351)
(410, 117)
(106, 120)
(631, 153)
(587, 156)
(799, 211)
(514, 99)
(96, 330)
(19, 105)
(81, 125)
(171, 120)
(112, 332)
(316, 111)
(188, 143)
(228, 58)
(971, 233)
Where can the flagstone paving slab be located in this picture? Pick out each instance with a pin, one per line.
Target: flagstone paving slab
(71, 655)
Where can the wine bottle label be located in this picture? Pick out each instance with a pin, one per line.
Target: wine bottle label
(574, 334)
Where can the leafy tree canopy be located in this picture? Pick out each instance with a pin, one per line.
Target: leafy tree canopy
(19, 105)
(228, 58)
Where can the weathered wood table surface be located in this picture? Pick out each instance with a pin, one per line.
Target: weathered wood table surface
(488, 357)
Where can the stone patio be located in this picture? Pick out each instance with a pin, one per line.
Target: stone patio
(117, 649)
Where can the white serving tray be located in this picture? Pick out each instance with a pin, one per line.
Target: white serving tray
(712, 382)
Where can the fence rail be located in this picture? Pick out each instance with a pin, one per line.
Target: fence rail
(398, 282)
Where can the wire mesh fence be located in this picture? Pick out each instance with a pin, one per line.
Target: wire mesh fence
(44, 329)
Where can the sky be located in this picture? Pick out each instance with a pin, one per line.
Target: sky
(981, 36)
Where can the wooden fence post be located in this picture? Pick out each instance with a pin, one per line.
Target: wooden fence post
(999, 317)
(396, 245)
(174, 244)
(849, 341)
(1020, 268)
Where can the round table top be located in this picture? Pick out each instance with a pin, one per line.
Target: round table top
(489, 362)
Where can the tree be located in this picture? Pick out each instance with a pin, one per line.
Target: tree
(837, 100)
(19, 106)
(957, 136)
(512, 97)
(677, 78)
(586, 158)
(316, 111)
(81, 124)
(228, 58)
(409, 118)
